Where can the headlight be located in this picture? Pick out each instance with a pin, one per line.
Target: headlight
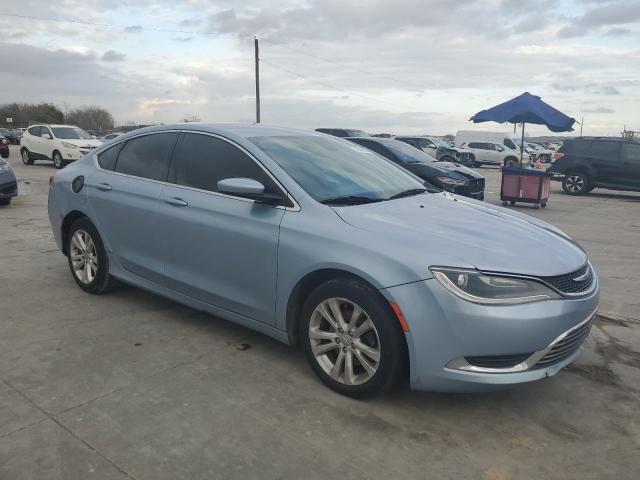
(477, 287)
(450, 181)
(69, 145)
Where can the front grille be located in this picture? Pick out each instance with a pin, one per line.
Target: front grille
(567, 284)
(498, 361)
(565, 347)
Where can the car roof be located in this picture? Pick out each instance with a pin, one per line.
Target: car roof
(51, 125)
(607, 139)
(244, 130)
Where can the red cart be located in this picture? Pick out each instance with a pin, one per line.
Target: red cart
(525, 186)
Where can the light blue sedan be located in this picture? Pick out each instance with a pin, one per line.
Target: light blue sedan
(317, 241)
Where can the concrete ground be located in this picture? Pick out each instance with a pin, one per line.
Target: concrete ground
(132, 386)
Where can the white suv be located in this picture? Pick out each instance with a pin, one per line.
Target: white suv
(490, 153)
(60, 143)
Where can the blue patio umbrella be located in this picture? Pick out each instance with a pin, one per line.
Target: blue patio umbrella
(526, 108)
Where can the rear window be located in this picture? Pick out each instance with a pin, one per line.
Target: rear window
(576, 146)
(107, 159)
(147, 156)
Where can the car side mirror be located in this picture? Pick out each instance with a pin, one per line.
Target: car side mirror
(248, 188)
(46, 135)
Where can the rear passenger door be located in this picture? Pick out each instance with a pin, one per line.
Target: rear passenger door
(34, 140)
(605, 159)
(220, 249)
(480, 151)
(124, 194)
(631, 164)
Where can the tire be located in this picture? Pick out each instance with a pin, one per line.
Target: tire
(575, 183)
(26, 156)
(477, 164)
(380, 336)
(510, 162)
(58, 161)
(5, 201)
(89, 265)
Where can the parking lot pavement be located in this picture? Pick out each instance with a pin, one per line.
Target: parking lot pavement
(132, 386)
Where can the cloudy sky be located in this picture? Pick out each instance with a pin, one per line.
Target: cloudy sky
(402, 66)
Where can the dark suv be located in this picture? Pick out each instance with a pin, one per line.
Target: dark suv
(589, 163)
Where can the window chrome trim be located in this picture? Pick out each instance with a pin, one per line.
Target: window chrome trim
(288, 196)
(462, 364)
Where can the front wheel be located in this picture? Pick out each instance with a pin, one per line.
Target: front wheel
(88, 259)
(352, 338)
(58, 162)
(575, 183)
(26, 157)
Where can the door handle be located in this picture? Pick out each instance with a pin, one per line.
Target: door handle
(176, 201)
(105, 187)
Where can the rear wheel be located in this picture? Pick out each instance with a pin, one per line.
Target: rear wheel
(88, 259)
(352, 339)
(5, 201)
(575, 183)
(26, 157)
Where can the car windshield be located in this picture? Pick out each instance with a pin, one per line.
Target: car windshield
(357, 133)
(328, 168)
(70, 133)
(439, 143)
(407, 153)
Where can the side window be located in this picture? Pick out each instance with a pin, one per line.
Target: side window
(200, 161)
(510, 144)
(605, 150)
(339, 133)
(476, 145)
(631, 152)
(428, 144)
(148, 156)
(107, 159)
(46, 130)
(35, 131)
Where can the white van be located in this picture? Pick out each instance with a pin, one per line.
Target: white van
(508, 139)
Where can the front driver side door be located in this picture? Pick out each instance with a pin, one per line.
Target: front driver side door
(219, 249)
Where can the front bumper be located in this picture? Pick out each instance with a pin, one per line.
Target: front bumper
(444, 329)
(8, 189)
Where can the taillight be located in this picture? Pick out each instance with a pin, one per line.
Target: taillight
(557, 156)
(50, 180)
(4, 141)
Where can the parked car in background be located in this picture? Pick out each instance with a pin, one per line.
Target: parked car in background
(4, 147)
(8, 183)
(542, 154)
(445, 175)
(343, 132)
(318, 241)
(13, 136)
(111, 136)
(489, 153)
(441, 150)
(508, 140)
(61, 143)
(598, 162)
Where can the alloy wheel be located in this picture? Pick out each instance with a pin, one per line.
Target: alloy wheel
(344, 341)
(57, 160)
(84, 257)
(575, 183)
(25, 157)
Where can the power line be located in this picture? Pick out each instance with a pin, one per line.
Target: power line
(334, 87)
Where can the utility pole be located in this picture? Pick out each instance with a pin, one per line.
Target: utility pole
(255, 44)
(581, 125)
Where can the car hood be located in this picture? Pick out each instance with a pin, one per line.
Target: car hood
(448, 230)
(79, 142)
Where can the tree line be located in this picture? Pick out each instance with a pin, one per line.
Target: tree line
(25, 114)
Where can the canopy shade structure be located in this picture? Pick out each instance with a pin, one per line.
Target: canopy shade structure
(527, 108)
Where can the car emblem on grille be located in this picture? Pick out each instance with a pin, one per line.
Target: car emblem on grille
(582, 277)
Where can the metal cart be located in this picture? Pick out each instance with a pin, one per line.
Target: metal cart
(525, 186)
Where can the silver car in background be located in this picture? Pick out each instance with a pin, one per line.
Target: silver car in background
(317, 241)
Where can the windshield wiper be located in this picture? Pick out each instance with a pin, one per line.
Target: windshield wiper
(350, 200)
(408, 193)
